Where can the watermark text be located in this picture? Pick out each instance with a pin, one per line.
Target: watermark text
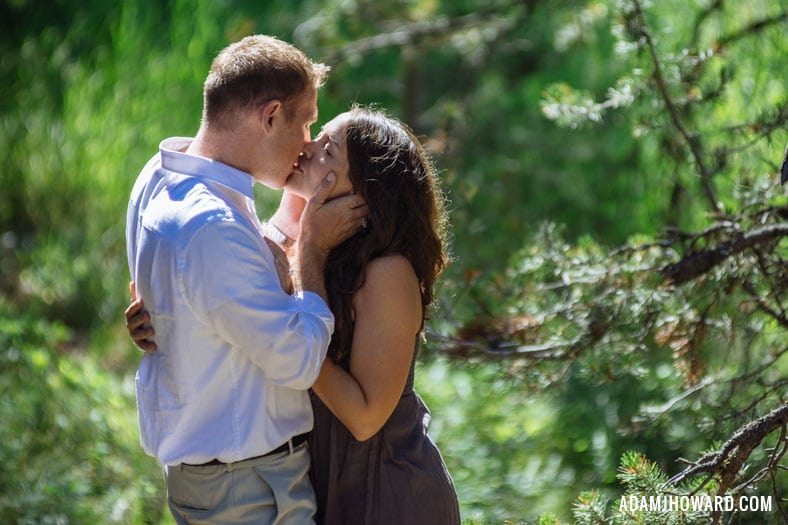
(696, 503)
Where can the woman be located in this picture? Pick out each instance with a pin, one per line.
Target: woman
(372, 460)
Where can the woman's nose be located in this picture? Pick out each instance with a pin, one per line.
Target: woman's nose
(309, 149)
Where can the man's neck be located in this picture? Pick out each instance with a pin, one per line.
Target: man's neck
(224, 146)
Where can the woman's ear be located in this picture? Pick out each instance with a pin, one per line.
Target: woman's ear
(270, 111)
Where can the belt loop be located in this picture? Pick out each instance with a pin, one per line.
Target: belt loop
(229, 467)
(290, 445)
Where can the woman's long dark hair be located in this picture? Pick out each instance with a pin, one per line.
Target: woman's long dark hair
(390, 169)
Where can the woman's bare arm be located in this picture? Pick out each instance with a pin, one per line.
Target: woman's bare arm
(388, 317)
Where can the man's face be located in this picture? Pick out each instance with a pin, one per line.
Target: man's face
(289, 138)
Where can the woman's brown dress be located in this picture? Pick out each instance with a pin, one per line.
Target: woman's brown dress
(395, 477)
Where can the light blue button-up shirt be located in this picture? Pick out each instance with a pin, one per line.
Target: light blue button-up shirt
(236, 354)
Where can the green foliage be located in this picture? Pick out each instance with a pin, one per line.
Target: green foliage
(647, 499)
(475, 92)
(69, 433)
(556, 141)
(495, 440)
(672, 365)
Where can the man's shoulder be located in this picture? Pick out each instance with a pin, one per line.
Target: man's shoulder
(186, 205)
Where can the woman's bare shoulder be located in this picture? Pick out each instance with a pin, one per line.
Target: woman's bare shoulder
(392, 266)
(391, 278)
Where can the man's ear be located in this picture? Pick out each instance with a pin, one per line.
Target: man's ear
(270, 111)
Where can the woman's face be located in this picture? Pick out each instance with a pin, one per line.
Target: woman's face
(327, 153)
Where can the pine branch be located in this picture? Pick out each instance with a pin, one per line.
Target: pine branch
(692, 142)
(414, 32)
(700, 262)
(728, 461)
(665, 409)
(549, 352)
(716, 5)
(754, 27)
(780, 317)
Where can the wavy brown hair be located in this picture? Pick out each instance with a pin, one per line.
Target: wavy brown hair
(391, 171)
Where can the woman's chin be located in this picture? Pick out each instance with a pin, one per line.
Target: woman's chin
(293, 186)
(299, 183)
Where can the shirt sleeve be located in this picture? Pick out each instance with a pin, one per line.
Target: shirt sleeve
(230, 281)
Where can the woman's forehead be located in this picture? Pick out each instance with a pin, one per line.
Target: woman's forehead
(335, 125)
(335, 130)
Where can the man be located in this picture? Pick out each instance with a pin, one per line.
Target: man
(223, 403)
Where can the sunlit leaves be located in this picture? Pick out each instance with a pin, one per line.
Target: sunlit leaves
(69, 426)
(572, 108)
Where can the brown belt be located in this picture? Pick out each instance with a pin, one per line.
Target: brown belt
(287, 445)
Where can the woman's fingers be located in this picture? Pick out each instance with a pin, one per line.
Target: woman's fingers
(135, 315)
(146, 344)
(137, 319)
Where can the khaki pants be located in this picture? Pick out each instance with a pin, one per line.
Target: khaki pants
(271, 490)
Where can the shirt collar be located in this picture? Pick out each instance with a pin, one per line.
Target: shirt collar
(173, 159)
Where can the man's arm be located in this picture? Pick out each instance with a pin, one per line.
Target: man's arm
(229, 281)
(325, 224)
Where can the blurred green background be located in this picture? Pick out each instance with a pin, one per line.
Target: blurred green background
(503, 94)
